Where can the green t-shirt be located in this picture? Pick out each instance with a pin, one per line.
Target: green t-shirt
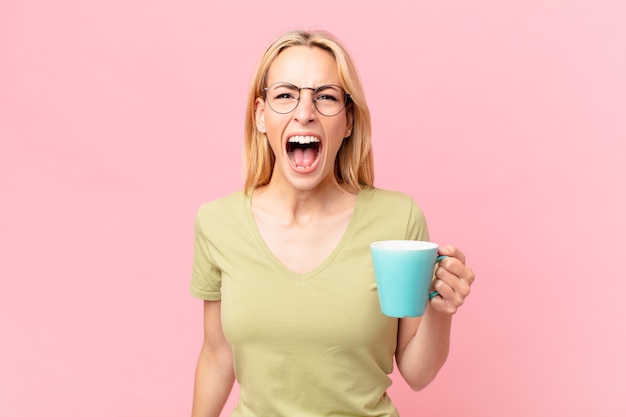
(304, 345)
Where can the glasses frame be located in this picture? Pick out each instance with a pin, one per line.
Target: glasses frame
(346, 97)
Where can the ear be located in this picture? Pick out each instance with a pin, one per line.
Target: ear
(349, 124)
(259, 115)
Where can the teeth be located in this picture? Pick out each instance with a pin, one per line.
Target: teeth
(303, 139)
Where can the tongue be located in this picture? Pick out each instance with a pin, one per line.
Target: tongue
(303, 157)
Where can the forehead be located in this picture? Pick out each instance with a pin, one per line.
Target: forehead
(304, 66)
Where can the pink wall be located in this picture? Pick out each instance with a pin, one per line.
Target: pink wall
(504, 119)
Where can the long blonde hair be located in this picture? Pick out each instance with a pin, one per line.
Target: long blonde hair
(354, 165)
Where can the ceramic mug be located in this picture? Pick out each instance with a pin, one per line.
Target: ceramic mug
(404, 272)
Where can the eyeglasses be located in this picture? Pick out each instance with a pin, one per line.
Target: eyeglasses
(328, 99)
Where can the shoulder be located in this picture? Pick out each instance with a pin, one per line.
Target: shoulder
(222, 205)
(388, 198)
(221, 211)
(395, 211)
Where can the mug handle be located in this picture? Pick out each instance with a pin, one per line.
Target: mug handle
(435, 293)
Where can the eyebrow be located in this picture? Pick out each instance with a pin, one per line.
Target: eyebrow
(286, 84)
(327, 86)
(291, 86)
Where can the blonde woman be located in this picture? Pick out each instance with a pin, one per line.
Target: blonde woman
(284, 268)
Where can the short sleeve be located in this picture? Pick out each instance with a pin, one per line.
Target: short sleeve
(206, 278)
(417, 229)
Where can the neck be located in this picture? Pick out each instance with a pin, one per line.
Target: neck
(301, 206)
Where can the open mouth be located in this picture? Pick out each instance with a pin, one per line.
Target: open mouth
(303, 150)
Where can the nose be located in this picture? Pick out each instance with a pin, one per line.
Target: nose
(305, 111)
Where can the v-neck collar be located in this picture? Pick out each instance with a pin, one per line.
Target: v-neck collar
(279, 266)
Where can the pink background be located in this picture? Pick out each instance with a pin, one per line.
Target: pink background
(504, 119)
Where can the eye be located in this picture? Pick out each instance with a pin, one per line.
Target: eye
(328, 93)
(326, 97)
(284, 92)
(284, 96)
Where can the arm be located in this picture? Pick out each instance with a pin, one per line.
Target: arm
(424, 342)
(214, 372)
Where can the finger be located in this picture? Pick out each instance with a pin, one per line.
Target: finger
(456, 267)
(452, 252)
(443, 289)
(446, 301)
(461, 287)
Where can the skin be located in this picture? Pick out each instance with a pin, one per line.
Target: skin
(303, 215)
(424, 342)
(296, 204)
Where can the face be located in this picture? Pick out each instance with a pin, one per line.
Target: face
(304, 141)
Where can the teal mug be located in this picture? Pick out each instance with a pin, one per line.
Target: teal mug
(404, 272)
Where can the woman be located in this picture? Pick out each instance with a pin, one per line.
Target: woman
(284, 266)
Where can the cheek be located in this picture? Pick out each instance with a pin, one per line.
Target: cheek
(273, 131)
(335, 133)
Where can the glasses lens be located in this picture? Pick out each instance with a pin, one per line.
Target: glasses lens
(329, 99)
(283, 98)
